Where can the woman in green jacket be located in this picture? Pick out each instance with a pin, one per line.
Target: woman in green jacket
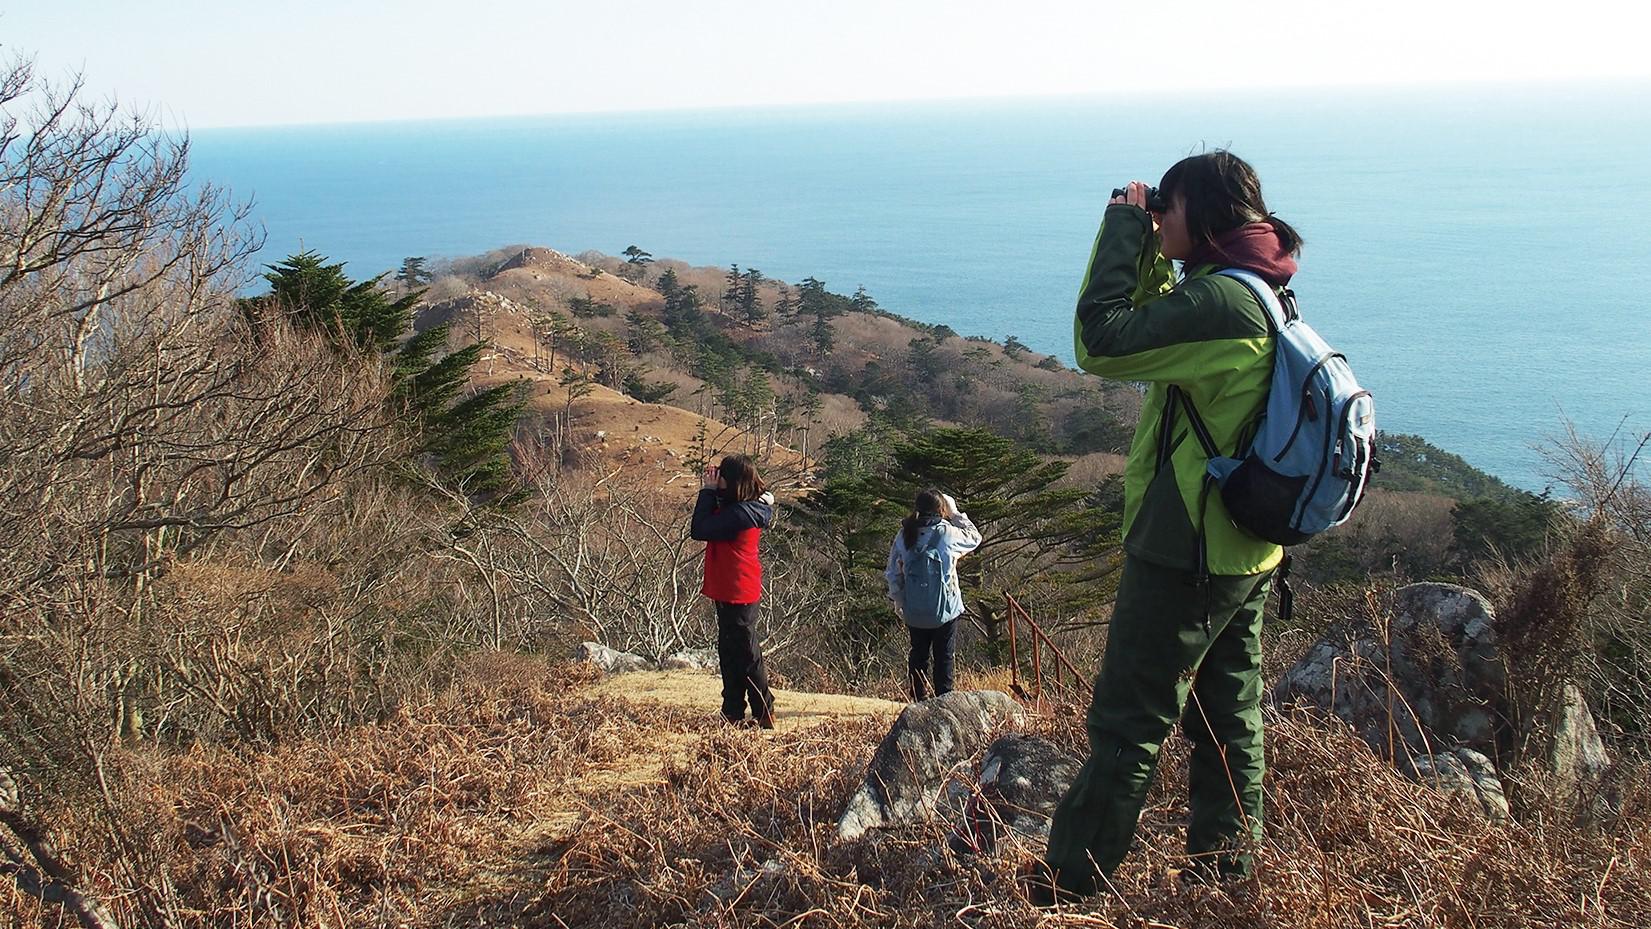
(1185, 637)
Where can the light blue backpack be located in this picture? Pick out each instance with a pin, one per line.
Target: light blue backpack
(926, 600)
(1314, 449)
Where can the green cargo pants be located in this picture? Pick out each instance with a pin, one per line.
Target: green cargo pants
(1170, 638)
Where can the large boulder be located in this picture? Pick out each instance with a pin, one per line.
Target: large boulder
(1433, 682)
(610, 660)
(1434, 679)
(928, 745)
(1022, 779)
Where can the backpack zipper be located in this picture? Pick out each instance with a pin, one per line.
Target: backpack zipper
(1306, 411)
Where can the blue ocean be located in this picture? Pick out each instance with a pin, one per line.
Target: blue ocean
(1482, 256)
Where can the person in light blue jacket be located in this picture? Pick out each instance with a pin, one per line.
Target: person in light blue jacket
(922, 576)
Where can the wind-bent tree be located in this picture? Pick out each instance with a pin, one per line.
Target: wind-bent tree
(413, 272)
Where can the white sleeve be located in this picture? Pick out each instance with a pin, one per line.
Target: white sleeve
(966, 539)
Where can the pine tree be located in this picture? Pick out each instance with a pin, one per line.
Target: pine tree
(320, 296)
(467, 439)
(413, 273)
(785, 305)
(861, 301)
(668, 283)
(643, 333)
(750, 300)
(825, 338)
(636, 263)
(733, 282)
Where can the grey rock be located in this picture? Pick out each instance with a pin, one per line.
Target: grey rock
(610, 660)
(1435, 684)
(1569, 747)
(1022, 779)
(1435, 680)
(929, 743)
(692, 659)
(1469, 775)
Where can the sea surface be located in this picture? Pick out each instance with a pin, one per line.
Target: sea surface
(1482, 255)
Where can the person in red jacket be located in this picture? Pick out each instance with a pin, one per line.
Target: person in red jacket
(732, 511)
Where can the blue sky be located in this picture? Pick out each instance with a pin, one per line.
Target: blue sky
(201, 63)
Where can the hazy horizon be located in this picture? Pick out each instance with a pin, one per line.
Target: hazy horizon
(316, 62)
(1364, 92)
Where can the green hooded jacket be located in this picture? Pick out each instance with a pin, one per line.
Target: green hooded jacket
(1210, 336)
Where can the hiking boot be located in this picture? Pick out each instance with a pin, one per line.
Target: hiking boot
(1223, 873)
(765, 721)
(1039, 886)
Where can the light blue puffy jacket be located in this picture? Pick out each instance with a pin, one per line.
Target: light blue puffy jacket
(958, 538)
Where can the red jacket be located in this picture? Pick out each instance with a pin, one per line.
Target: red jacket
(730, 531)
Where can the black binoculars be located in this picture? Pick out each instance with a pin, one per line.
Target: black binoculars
(1155, 200)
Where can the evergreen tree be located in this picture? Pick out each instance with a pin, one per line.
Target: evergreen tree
(682, 310)
(733, 283)
(413, 272)
(861, 301)
(643, 333)
(637, 386)
(825, 338)
(925, 362)
(1030, 525)
(1514, 525)
(470, 441)
(785, 305)
(577, 384)
(668, 283)
(467, 439)
(322, 297)
(636, 263)
(750, 300)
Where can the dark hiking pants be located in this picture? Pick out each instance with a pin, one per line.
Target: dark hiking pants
(1175, 650)
(942, 645)
(739, 656)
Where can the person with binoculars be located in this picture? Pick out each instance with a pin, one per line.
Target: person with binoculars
(1184, 643)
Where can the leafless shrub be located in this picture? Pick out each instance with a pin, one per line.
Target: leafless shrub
(146, 421)
(1584, 609)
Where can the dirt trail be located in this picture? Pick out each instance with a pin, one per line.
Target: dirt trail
(567, 804)
(700, 690)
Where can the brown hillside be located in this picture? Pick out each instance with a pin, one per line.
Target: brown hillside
(502, 294)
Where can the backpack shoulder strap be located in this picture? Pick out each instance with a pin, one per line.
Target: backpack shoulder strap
(1200, 431)
(1263, 292)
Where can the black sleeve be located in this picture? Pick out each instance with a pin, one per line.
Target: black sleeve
(713, 525)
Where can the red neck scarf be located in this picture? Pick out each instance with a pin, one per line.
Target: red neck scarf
(1252, 247)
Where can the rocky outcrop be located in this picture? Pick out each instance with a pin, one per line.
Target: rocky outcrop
(1022, 779)
(1429, 692)
(610, 660)
(928, 745)
(1434, 682)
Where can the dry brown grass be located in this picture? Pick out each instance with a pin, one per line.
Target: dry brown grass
(526, 796)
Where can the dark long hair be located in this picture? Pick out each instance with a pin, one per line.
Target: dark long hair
(741, 475)
(929, 503)
(1222, 192)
